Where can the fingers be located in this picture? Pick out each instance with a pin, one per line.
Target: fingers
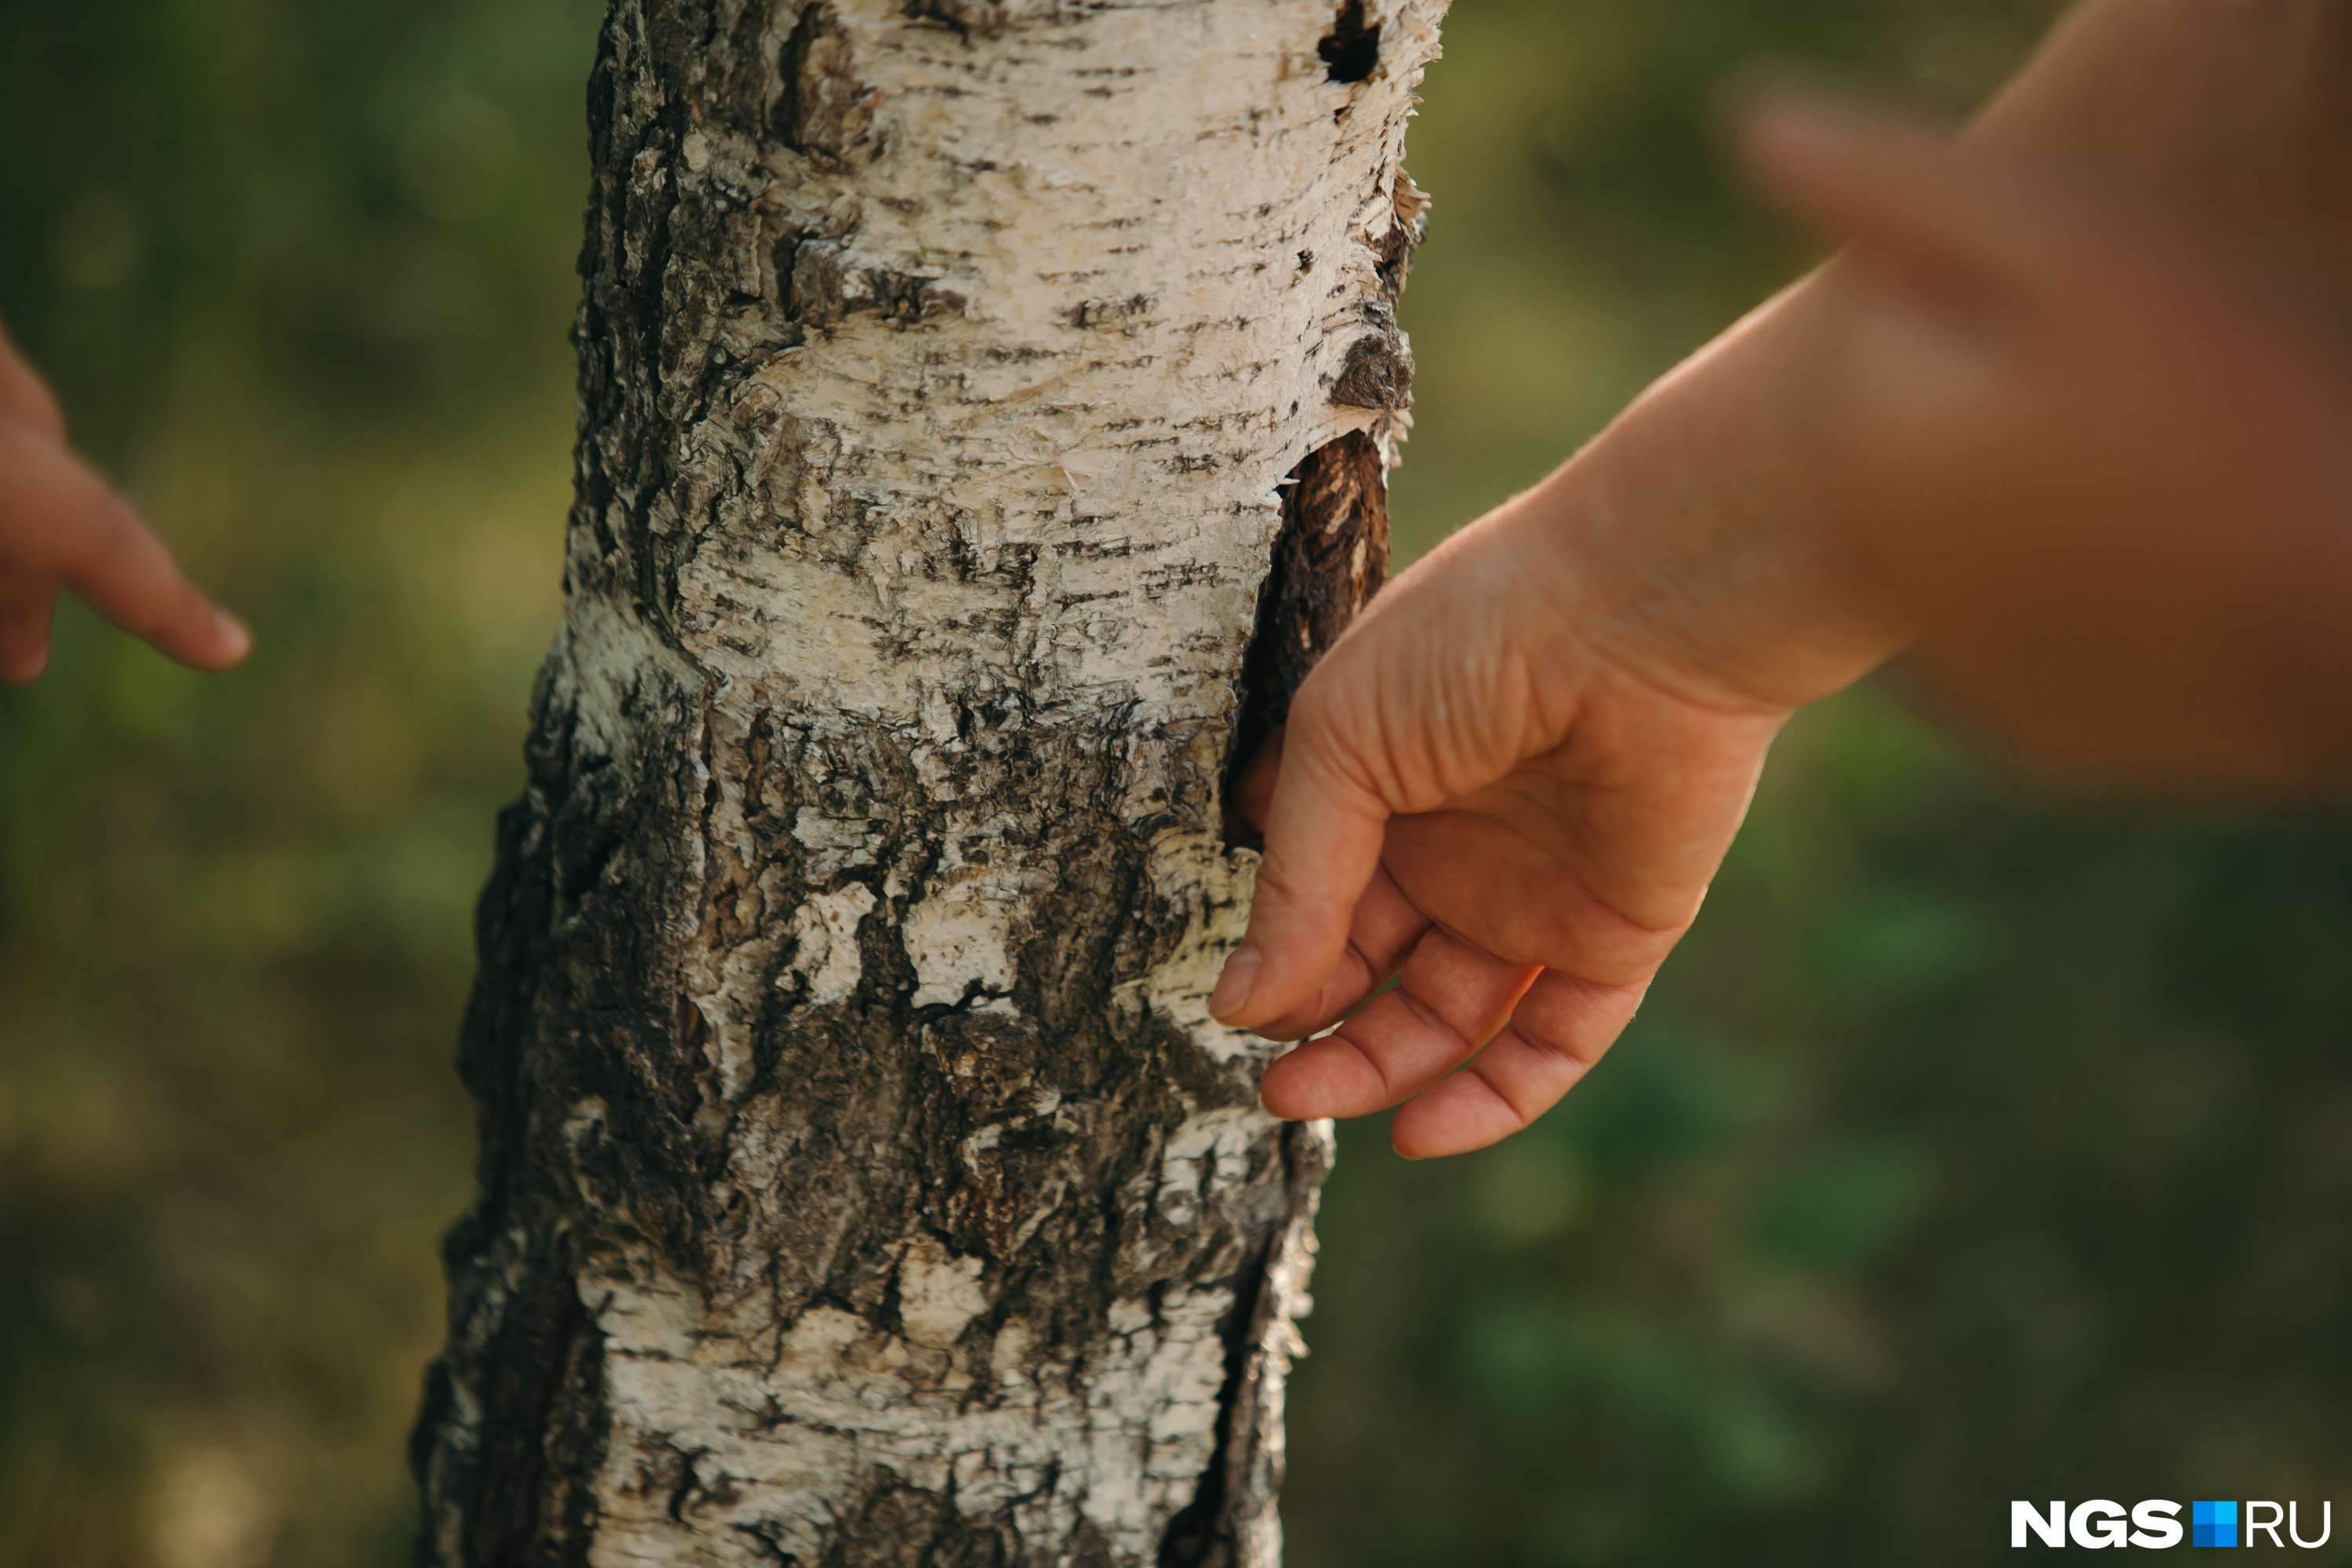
(126, 575)
(1385, 929)
(60, 525)
(1324, 829)
(1451, 997)
(1557, 1031)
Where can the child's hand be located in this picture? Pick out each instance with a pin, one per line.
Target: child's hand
(62, 527)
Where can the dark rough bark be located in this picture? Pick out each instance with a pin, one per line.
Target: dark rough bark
(860, 1179)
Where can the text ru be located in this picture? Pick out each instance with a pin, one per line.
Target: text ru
(2156, 1524)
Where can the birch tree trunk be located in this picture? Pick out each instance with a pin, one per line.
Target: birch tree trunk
(862, 1180)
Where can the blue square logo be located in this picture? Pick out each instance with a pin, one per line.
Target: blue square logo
(2213, 1524)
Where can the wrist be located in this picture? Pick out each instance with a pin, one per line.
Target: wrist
(1692, 543)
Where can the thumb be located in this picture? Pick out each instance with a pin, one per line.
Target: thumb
(1324, 828)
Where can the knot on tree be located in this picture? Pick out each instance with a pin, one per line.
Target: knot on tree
(824, 109)
(1376, 373)
(829, 282)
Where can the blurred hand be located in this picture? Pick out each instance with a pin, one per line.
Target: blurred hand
(2093, 451)
(62, 527)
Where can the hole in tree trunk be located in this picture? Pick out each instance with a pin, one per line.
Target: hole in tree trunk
(1352, 48)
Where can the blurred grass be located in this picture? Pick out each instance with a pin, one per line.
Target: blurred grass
(1970, 1150)
(301, 275)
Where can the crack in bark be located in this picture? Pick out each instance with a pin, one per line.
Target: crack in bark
(1330, 559)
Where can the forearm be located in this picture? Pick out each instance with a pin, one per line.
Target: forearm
(1698, 524)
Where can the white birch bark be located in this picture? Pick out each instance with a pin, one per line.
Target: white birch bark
(863, 1179)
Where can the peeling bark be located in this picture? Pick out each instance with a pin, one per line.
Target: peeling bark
(862, 1179)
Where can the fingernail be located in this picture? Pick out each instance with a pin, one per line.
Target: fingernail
(233, 633)
(1233, 987)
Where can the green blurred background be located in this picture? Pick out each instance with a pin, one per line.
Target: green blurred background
(1972, 1149)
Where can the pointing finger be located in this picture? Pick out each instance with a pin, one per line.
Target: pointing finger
(63, 524)
(126, 575)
